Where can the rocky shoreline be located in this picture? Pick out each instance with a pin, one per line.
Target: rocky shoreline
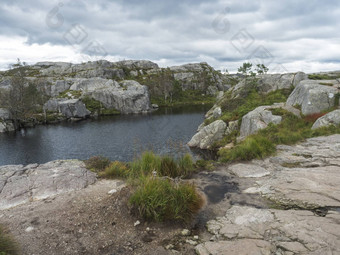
(300, 216)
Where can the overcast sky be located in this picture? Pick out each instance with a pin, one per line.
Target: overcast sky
(286, 35)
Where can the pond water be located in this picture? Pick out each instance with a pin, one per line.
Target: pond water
(121, 137)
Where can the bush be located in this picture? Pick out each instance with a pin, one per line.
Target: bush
(115, 170)
(186, 165)
(97, 163)
(8, 245)
(161, 200)
(145, 165)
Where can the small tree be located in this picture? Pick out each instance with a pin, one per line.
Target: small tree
(245, 68)
(261, 69)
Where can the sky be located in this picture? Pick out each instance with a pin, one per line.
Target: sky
(284, 35)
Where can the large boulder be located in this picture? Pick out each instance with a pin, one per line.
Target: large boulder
(331, 118)
(70, 108)
(313, 97)
(258, 119)
(21, 184)
(6, 123)
(126, 96)
(208, 135)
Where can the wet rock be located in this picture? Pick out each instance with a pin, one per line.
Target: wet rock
(21, 184)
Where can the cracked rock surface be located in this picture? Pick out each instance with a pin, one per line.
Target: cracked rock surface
(21, 184)
(304, 179)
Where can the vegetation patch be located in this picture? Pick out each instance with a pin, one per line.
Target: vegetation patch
(95, 106)
(97, 163)
(115, 169)
(323, 76)
(162, 200)
(8, 246)
(290, 131)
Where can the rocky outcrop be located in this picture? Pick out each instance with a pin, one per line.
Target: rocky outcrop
(332, 118)
(313, 97)
(247, 230)
(303, 180)
(266, 83)
(258, 119)
(70, 108)
(125, 96)
(21, 184)
(208, 135)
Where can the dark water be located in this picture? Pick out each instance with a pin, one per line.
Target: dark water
(118, 137)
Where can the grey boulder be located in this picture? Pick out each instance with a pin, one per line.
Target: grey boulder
(331, 118)
(70, 108)
(208, 135)
(313, 97)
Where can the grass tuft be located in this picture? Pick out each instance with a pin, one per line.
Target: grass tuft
(97, 163)
(162, 200)
(116, 169)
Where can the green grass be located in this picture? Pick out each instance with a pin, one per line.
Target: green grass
(114, 170)
(8, 246)
(163, 200)
(95, 106)
(290, 131)
(74, 93)
(322, 77)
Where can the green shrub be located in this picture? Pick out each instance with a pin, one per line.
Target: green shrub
(186, 165)
(8, 246)
(116, 169)
(162, 200)
(97, 163)
(168, 167)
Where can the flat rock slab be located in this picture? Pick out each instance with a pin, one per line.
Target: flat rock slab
(250, 171)
(21, 184)
(246, 230)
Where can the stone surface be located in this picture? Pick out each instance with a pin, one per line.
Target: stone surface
(246, 170)
(313, 97)
(232, 126)
(125, 96)
(70, 108)
(208, 135)
(257, 119)
(331, 118)
(217, 112)
(247, 230)
(21, 184)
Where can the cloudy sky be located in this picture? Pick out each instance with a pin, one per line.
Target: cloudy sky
(286, 35)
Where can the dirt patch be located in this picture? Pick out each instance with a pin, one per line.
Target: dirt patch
(89, 221)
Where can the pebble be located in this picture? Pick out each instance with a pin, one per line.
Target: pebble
(136, 223)
(112, 191)
(185, 232)
(192, 242)
(29, 229)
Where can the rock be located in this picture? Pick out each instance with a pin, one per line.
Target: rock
(258, 119)
(208, 135)
(6, 124)
(154, 106)
(21, 184)
(269, 82)
(73, 108)
(312, 97)
(191, 242)
(232, 126)
(127, 97)
(304, 176)
(331, 118)
(217, 112)
(268, 231)
(185, 232)
(136, 223)
(249, 171)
